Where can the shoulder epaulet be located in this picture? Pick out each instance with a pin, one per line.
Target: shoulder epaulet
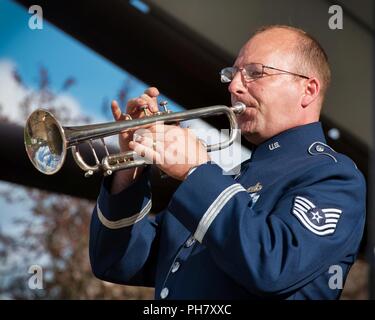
(320, 148)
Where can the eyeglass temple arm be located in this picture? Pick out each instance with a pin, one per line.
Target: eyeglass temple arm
(296, 74)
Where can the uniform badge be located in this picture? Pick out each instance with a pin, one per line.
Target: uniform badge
(319, 221)
(274, 145)
(254, 198)
(255, 188)
(253, 192)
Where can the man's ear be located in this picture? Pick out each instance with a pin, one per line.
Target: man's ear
(311, 91)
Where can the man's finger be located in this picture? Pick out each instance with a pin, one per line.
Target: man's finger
(134, 104)
(145, 152)
(151, 103)
(116, 111)
(152, 92)
(145, 140)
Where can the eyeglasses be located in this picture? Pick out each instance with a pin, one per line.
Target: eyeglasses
(252, 72)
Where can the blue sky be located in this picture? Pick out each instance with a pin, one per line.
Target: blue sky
(63, 56)
(97, 79)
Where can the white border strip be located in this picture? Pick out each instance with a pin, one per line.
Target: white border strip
(214, 209)
(332, 210)
(305, 220)
(125, 222)
(330, 230)
(308, 203)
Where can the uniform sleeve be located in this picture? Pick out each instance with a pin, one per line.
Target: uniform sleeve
(123, 239)
(276, 247)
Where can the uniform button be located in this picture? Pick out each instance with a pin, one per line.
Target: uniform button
(319, 148)
(175, 267)
(164, 293)
(189, 242)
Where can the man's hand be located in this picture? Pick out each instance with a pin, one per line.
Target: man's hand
(133, 109)
(124, 178)
(174, 150)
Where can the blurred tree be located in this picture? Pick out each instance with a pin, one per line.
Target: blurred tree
(121, 98)
(54, 235)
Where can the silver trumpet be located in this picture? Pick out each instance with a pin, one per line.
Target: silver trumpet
(46, 141)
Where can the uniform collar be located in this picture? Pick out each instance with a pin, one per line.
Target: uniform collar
(292, 141)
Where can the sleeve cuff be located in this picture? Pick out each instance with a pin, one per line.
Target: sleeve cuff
(127, 207)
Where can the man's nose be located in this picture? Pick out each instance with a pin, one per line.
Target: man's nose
(236, 86)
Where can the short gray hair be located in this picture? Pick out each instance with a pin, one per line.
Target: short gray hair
(313, 59)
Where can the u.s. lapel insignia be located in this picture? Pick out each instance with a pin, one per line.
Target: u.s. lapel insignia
(255, 188)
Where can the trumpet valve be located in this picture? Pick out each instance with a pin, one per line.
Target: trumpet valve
(89, 173)
(144, 108)
(164, 104)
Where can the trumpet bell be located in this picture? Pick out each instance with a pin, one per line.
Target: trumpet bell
(45, 142)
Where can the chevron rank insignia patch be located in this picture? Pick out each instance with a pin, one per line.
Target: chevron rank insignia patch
(319, 221)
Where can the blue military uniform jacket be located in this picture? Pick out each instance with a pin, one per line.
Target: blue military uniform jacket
(287, 227)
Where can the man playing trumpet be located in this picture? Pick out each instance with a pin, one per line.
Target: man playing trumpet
(277, 230)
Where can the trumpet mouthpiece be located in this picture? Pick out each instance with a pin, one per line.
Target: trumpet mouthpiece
(239, 107)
